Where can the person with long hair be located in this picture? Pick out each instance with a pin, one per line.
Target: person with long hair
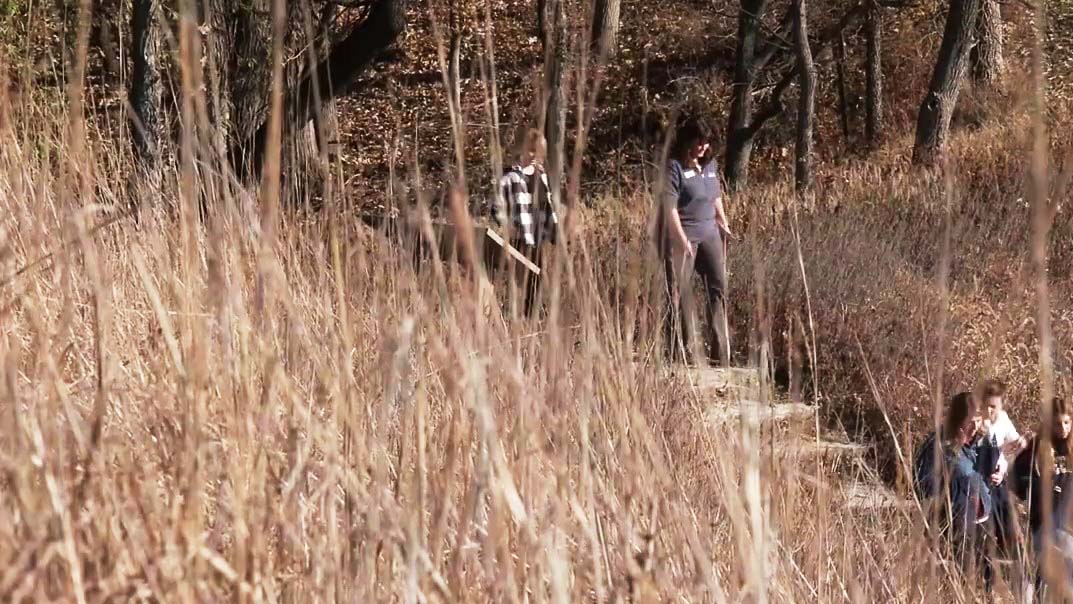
(954, 487)
(953, 478)
(693, 230)
(1051, 447)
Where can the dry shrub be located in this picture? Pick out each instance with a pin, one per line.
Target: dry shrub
(872, 246)
(195, 412)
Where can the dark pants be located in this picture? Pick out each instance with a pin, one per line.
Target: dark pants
(680, 328)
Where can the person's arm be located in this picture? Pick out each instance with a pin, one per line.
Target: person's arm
(676, 232)
(1020, 475)
(1012, 434)
(551, 219)
(721, 217)
(503, 201)
(720, 213)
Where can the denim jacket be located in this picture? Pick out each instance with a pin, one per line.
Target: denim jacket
(957, 479)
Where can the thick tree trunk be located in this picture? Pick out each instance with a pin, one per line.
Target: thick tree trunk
(933, 121)
(605, 26)
(146, 91)
(245, 55)
(555, 109)
(988, 64)
(806, 101)
(335, 75)
(326, 124)
(873, 32)
(739, 134)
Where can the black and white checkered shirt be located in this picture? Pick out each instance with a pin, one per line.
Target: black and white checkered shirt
(515, 203)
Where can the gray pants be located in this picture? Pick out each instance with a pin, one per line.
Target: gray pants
(709, 263)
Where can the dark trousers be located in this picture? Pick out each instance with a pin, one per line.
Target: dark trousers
(709, 263)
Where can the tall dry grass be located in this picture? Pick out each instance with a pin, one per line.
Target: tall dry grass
(257, 405)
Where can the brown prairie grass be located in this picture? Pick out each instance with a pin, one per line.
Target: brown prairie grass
(189, 418)
(279, 408)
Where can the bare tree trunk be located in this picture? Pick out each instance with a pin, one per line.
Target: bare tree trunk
(555, 109)
(873, 125)
(605, 26)
(806, 101)
(146, 91)
(335, 75)
(843, 103)
(988, 64)
(542, 22)
(247, 75)
(454, 76)
(739, 134)
(933, 121)
(456, 29)
(106, 35)
(326, 123)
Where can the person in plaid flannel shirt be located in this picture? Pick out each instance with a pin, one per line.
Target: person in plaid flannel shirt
(523, 204)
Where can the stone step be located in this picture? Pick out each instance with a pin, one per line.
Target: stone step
(727, 383)
(869, 497)
(803, 447)
(746, 410)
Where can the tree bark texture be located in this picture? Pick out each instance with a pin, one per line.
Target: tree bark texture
(605, 26)
(843, 101)
(806, 101)
(873, 33)
(988, 63)
(555, 108)
(334, 75)
(743, 123)
(739, 138)
(937, 108)
(146, 90)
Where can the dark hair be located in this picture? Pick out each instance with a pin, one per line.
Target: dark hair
(1058, 407)
(991, 388)
(962, 406)
(689, 130)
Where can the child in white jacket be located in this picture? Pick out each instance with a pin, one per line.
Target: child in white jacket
(1000, 429)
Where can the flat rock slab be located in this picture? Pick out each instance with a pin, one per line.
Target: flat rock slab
(803, 447)
(866, 497)
(742, 382)
(758, 412)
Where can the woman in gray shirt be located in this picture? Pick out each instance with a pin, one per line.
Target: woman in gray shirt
(693, 230)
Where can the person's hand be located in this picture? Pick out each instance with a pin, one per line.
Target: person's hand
(686, 248)
(997, 477)
(724, 228)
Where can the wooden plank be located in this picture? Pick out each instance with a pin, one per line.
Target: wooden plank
(512, 251)
(446, 235)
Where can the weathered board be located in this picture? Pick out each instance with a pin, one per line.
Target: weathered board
(493, 250)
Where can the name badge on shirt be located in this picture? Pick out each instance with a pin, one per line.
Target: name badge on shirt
(689, 173)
